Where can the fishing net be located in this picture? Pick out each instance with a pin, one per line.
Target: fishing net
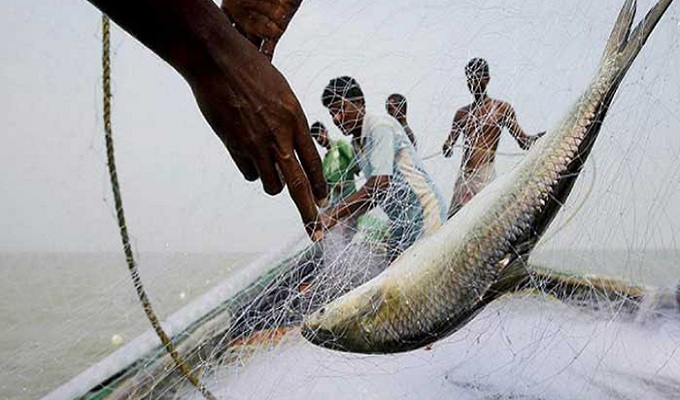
(595, 317)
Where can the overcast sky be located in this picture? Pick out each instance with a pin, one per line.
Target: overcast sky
(181, 190)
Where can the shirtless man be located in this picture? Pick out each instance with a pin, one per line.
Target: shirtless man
(224, 57)
(481, 123)
(396, 107)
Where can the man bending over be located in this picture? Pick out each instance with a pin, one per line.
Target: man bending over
(395, 177)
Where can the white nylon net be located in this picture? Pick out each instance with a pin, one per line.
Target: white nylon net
(588, 339)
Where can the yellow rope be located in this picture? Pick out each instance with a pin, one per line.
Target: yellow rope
(132, 266)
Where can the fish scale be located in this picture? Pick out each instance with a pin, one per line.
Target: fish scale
(444, 280)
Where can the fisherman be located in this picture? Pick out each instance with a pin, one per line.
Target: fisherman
(396, 107)
(245, 99)
(395, 177)
(481, 123)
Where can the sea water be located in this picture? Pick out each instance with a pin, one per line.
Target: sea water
(61, 313)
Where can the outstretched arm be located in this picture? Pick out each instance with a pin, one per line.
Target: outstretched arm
(360, 202)
(510, 121)
(381, 161)
(456, 129)
(246, 101)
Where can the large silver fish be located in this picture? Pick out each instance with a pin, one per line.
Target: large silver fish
(444, 280)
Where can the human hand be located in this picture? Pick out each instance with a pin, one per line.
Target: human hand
(324, 222)
(254, 112)
(262, 22)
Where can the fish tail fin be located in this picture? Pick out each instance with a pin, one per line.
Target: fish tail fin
(638, 37)
(623, 44)
(619, 35)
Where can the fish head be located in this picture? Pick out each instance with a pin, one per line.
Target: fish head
(346, 324)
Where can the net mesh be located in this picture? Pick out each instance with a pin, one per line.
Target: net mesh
(563, 333)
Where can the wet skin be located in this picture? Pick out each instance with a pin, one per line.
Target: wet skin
(481, 123)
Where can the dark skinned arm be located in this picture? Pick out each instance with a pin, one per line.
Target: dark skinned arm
(366, 198)
(411, 135)
(456, 129)
(246, 101)
(510, 121)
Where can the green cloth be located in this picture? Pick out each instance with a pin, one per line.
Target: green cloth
(339, 168)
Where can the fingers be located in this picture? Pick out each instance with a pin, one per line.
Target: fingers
(298, 187)
(263, 27)
(254, 22)
(271, 181)
(322, 225)
(267, 48)
(264, 19)
(255, 40)
(310, 160)
(276, 10)
(262, 22)
(246, 166)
